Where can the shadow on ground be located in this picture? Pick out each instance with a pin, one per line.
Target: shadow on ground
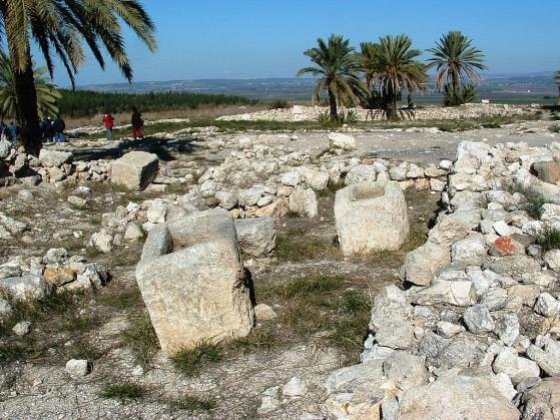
(161, 147)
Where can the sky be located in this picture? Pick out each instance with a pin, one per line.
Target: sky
(266, 38)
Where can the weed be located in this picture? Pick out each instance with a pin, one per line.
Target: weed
(351, 327)
(262, 338)
(121, 299)
(294, 246)
(190, 361)
(142, 339)
(533, 200)
(71, 244)
(554, 128)
(310, 286)
(192, 404)
(92, 252)
(549, 238)
(12, 351)
(123, 391)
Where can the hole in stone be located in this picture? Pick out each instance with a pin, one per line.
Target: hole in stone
(367, 192)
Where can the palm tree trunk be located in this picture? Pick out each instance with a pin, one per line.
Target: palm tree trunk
(332, 104)
(391, 103)
(26, 109)
(455, 81)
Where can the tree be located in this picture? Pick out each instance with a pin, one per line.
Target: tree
(456, 61)
(47, 94)
(337, 70)
(392, 66)
(557, 81)
(59, 28)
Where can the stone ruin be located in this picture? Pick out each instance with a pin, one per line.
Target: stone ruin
(371, 217)
(193, 282)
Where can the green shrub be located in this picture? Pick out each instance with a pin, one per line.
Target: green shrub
(554, 128)
(456, 97)
(279, 104)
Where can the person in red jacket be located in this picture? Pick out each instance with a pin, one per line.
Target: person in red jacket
(109, 123)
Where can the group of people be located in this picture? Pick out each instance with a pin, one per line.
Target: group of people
(136, 120)
(52, 130)
(9, 132)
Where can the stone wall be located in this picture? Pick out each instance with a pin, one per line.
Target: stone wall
(467, 111)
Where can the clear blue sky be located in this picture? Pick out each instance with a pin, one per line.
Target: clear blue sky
(266, 38)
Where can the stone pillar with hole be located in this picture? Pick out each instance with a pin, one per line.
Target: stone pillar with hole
(371, 217)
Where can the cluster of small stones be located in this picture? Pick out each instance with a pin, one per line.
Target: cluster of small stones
(259, 180)
(475, 333)
(305, 113)
(52, 166)
(34, 278)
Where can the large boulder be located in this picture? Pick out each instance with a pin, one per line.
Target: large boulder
(54, 158)
(193, 283)
(135, 170)
(542, 401)
(361, 173)
(257, 236)
(371, 217)
(342, 142)
(457, 397)
(423, 264)
(303, 202)
(5, 149)
(29, 287)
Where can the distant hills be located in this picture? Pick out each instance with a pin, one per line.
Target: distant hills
(509, 88)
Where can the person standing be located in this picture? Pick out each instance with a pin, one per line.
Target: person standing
(109, 123)
(137, 123)
(58, 127)
(13, 132)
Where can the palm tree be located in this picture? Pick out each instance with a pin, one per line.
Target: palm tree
(393, 65)
(58, 27)
(557, 81)
(337, 71)
(47, 94)
(456, 61)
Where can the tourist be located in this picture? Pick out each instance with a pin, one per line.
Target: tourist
(58, 126)
(109, 123)
(13, 132)
(4, 132)
(137, 124)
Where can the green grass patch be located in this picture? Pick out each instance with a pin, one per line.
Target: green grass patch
(123, 391)
(193, 404)
(142, 339)
(261, 338)
(191, 361)
(121, 299)
(549, 238)
(296, 246)
(554, 128)
(352, 326)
